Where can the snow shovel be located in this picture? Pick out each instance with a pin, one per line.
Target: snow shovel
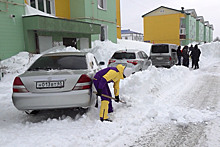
(110, 97)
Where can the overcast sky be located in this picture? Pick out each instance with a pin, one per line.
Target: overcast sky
(132, 11)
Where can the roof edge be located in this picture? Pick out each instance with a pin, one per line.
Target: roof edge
(162, 7)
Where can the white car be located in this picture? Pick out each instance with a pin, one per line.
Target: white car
(138, 60)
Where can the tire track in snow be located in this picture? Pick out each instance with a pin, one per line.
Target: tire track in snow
(202, 94)
(169, 135)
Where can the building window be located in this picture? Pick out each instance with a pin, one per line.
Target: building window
(46, 6)
(162, 11)
(102, 4)
(135, 38)
(104, 33)
(41, 5)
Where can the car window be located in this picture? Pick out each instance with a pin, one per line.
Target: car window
(144, 55)
(140, 55)
(124, 55)
(59, 62)
(173, 50)
(160, 49)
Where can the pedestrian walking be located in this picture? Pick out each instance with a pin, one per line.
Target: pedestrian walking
(195, 56)
(101, 80)
(179, 55)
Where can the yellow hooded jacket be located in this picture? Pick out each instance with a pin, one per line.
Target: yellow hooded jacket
(111, 74)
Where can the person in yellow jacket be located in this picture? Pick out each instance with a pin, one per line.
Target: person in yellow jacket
(101, 80)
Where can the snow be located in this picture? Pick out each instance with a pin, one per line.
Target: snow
(150, 97)
(29, 11)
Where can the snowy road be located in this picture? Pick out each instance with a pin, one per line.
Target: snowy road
(201, 94)
(176, 107)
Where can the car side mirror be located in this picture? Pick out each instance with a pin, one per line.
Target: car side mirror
(101, 63)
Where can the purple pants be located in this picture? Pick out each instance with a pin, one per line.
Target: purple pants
(105, 91)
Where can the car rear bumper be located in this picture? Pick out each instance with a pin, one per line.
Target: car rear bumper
(156, 63)
(134, 68)
(39, 101)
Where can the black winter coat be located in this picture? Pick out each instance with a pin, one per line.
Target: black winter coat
(185, 53)
(196, 54)
(191, 48)
(179, 53)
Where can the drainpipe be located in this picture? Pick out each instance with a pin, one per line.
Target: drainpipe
(37, 50)
(93, 15)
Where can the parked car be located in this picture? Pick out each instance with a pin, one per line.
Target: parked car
(57, 80)
(163, 55)
(138, 60)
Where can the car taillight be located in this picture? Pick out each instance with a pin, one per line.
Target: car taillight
(134, 62)
(170, 58)
(18, 86)
(111, 61)
(84, 82)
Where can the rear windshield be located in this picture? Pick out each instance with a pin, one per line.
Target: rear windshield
(59, 62)
(160, 49)
(123, 56)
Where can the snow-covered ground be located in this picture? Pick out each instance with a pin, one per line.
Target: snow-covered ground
(152, 98)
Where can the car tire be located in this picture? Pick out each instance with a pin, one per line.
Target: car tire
(32, 112)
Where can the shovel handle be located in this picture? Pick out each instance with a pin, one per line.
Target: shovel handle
(110, 97)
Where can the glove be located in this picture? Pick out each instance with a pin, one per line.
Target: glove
(99, 92)
(117, 98)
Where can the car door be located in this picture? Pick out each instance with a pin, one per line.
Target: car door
(147, 61)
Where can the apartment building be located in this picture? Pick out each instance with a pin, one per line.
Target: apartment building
(181, 27)
(37, 25)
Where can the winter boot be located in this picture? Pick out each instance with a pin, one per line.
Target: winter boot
(109, 120)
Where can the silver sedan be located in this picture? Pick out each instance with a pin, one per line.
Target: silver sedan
(136, 59)
(56, 80)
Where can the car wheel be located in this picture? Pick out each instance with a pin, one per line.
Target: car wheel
(32, 112)
(83, 110)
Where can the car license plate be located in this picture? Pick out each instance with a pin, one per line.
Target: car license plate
(159, 58)
(50, 84)
(124, 64)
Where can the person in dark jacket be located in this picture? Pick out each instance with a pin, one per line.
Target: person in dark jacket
(195, 56)
(192, 57)
(185, 54)
(191, 48)
(101, 80)
(179, 55)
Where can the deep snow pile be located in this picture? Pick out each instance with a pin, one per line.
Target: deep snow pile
(149, 95)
